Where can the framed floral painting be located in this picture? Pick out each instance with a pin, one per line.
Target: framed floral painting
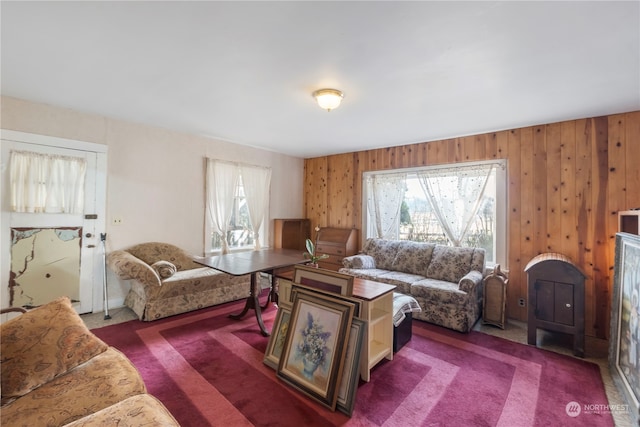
(624, 343)
(351, 370)
(302, 288)
(314, 351)
(325, 280)
(277, 338)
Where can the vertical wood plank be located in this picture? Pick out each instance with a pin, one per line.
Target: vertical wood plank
(553, 167)
(584, 215)
(632, 160)
(527, 203)
(568, 214)
(601, 272)
(539, 192)
(479, 148)
(491, 147)
(502, 145)
(517, 279)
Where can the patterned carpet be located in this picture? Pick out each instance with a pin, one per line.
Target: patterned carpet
(208, 370)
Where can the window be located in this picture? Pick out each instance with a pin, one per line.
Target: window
(239, 230)
(237, 203)
(463, 204)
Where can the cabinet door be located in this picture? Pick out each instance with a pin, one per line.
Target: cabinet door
(545, 300)
(564, 303)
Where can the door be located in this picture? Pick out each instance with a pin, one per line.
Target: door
(46, 255)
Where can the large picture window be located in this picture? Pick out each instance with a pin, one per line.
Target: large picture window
(462, 204)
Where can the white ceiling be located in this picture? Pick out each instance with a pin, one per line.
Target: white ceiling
(244, 71)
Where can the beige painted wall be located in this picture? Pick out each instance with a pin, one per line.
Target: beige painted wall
(155, 179)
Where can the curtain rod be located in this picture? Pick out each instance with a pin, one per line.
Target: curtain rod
(229, 162)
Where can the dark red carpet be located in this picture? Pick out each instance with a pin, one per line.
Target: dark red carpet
(207, 369)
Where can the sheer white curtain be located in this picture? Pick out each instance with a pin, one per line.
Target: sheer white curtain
(221, 184)
(46, 183)
(455, 195)
(385, 193)
(256, 182)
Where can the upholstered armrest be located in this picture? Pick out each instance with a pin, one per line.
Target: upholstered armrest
(359, 261)
(470, 281)
(127, 267)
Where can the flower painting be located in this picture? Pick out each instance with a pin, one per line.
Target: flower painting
(312, 347)
(277, 338)
(314, 351)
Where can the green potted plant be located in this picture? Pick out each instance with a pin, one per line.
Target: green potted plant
(311, 253)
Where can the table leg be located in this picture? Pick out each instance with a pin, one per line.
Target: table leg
(252, 303)
(273, 295)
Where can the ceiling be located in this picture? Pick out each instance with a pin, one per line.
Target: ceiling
(244, 71)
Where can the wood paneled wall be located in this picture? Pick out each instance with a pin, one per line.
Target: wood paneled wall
(567, 182)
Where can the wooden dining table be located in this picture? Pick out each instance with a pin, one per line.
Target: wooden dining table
(253, 263)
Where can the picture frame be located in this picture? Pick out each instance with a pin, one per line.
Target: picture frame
(296, 287)
(317, 336)
(624, 343)
(351, 371)
(277, 338)
(322, 279)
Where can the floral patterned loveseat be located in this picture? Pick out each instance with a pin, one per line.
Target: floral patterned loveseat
(446, 281)
(55, 372)
(166, 281)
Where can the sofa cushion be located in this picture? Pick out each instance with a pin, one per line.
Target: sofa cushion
(165, 269)
(449, 264)
(435, 292)
(98, 383)
(42, 344)
(359, 261)
(367, 274)
(402, 281)
(136, 411)
(413, 257)
(384, 251)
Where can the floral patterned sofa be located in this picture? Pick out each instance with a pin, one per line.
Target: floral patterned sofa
(56, 372)
(166, 281)
(446, 281)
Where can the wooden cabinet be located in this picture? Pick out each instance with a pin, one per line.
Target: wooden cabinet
(629, 222)
(291, 233)
(556, 298)
(337, 243)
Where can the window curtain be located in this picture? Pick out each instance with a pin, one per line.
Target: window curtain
(455, 195)
(45, 183)
(256, 182)
(221, 184)
(384, 198)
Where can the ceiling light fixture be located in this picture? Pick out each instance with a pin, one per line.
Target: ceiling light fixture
(328, 99)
